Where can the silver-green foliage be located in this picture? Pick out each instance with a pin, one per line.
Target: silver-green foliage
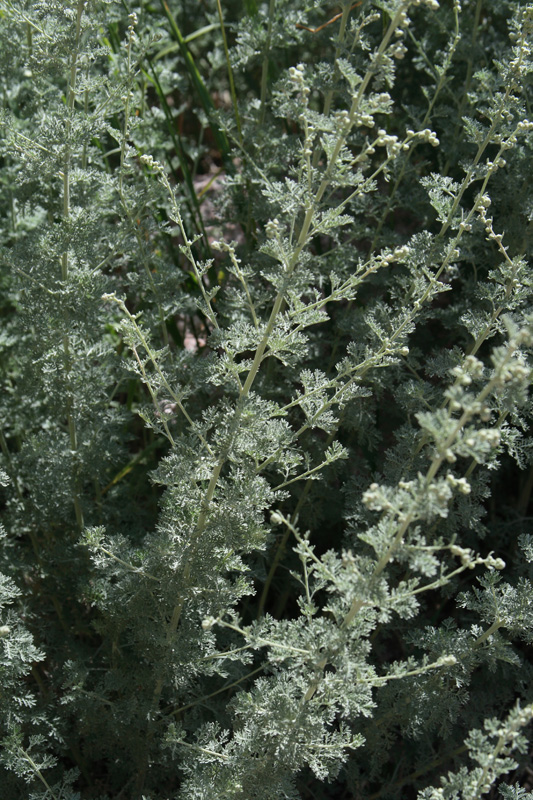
(307, 596)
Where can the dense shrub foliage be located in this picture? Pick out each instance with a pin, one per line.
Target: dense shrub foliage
(265, 364)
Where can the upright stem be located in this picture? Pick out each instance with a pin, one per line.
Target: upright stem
(230, 72)
(283, 543)
(38, 773)
(71, 96)
(443, 76)
(468, 78)
(434, 467)
(266, 58)
(278, 304)
(328, 99)
(290, 266)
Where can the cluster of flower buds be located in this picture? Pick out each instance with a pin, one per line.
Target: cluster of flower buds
(498, 163)
(388, 257)
(426, 135)
(151, 162)
(439, 494)
(375, 498)
(471, 367)
(457, 401)
(366, 120)
(525, 715)
(343, 122)
(447, 661)
(488, 436)
(471, 560)
(390, 141)
(432, 4)
(132, 18)
(398, 50)
(404, 20)
(516, 373)
(296, 75)
(461, 484)
(482, 204)
(525, 336)
(272, 228)
(408, 495)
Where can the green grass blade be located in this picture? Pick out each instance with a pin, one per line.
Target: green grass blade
(171, 48)
(180, 152)
(199, 85)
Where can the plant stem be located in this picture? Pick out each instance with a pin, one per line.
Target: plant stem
(435, 465)
(37, 772)
(71, 96)
(230, 72)
(347, 7)
(266, 59)
(468, 78)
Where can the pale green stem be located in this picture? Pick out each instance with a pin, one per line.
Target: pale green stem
(434, 468)
(218, 691)
(199, 749)
(38, 772)
(468, 78)
(125, 131)
(278, 304)
(303, 475)
(266, 58)
(129, 213)
(86, 110)
(71, 96)
(230, 72)
(358, 97)
(244, 282)
(268, 642)
(358, 603)
(4, 447)
(484, 636)
(138, 570)
(441, 83)
(382, 680)
(226, 653)
(154, 398)
(428, 587)
(472, 351)
(20, 14)
(13, 212)
(157, 368)
(29, 42)
(505, 738)
(283, 543)
(172, 627)
(466, 182)
(330, 93)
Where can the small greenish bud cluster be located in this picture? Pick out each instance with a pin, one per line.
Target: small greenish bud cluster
(470, 560)
(297, 77)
